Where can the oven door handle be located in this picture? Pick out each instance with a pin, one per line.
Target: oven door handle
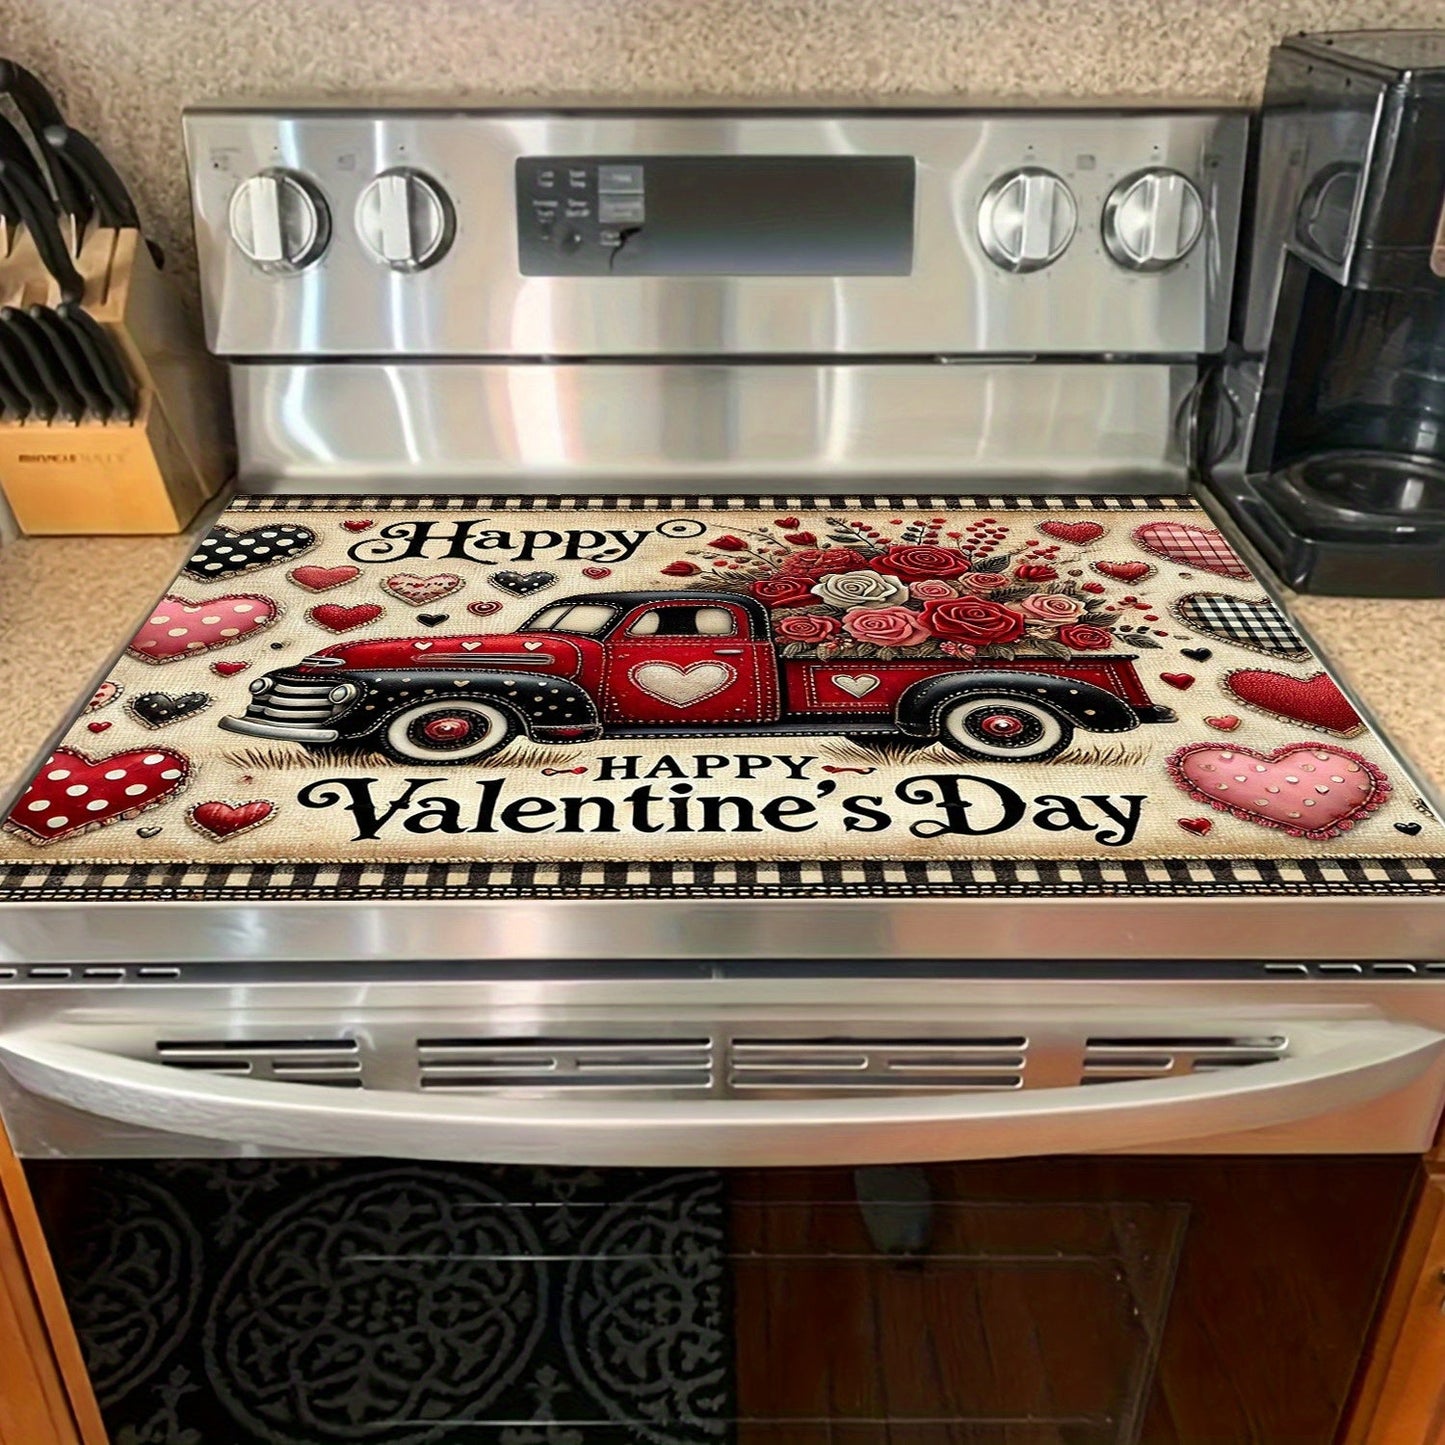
(1332, 1065)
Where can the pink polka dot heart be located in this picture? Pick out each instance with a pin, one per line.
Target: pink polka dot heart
(73, 793)
(180, 628)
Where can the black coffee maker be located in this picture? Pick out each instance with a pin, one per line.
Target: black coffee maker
(1327, 425)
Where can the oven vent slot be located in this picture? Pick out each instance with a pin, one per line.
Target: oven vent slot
(335, 1062)
(873, 1065)
(1117, 1060)
(489, 1065)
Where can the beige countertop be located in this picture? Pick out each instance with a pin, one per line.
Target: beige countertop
(66, 604)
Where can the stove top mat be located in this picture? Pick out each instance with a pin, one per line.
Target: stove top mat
(726, 697)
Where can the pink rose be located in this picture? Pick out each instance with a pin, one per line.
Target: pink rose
(965, 650)
(1050, 607)
(806, 627)
(887, 626)
(984, 581)
(932, 589)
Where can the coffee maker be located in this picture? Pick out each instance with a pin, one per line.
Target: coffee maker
(1324, 432)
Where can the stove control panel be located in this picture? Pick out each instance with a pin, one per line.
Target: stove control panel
(670, 232)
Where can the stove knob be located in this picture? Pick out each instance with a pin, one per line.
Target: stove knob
(1027, 219)
(1152, 220)
(405, 220)
(279, 221)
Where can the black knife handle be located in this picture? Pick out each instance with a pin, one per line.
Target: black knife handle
(36, 345)
(13, 148)
(21, 370)
(16, 403)
(113, 201)
(35, 211)
(74, 361)
(38, 106)
(105, 358)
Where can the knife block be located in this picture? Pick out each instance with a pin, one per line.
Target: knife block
(153, 473)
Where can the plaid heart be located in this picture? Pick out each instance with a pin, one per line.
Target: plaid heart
(1257, 624)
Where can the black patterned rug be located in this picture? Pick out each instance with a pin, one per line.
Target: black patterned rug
(306, 1302)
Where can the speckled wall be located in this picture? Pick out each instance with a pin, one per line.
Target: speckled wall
(124, 68)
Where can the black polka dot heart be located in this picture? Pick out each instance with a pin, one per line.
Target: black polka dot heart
(521, 584)
(224, 553)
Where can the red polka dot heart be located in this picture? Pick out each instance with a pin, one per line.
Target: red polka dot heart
(73, 793)
(180, 628)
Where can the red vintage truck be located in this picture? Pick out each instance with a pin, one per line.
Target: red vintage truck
(688, 663)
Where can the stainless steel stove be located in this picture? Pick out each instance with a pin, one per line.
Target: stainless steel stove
(596, 355)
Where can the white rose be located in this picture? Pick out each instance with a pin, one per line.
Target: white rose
(859, 589)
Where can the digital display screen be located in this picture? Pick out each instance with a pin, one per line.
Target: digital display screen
(716, 215)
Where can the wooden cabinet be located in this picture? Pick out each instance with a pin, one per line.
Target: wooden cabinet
(45, 1394)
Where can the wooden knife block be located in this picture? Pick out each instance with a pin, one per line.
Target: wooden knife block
(149, 475)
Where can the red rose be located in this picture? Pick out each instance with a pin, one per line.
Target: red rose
(729, 544)
(814, 562)
(1083, 637)
(1034, 572)
(984, 581)
(783, 591)
(806, 627)
(973, 619)
(680, 569)
(915, 563)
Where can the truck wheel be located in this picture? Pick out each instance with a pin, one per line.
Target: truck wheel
(1003, 729)
(448, 732)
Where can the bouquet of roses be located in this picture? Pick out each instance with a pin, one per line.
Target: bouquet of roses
(866, 595)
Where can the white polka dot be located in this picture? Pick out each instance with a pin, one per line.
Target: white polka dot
(171, 773)
(56, 822)
(77, 790)
(211, 620)
(230, 632)
(244, 607)
(96, 805)
(199, 557)
(221, 550)
(195, 646)
(160, 619)
(38, 806)
(213, 566)
(178, 631)
(151, 759)
(58, 774)
(135, 790)
(116, 773)
(261, 551)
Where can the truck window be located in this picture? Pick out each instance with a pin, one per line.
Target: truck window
(684, 622)
(586, 618)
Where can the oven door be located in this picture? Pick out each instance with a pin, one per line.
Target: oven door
(546, 1214)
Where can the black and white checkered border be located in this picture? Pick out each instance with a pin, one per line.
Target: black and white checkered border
(441, 502)
(279, 882)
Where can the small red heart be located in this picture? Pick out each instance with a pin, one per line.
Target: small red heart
(97, 727)
(1092, 587)
(219, 820)
(1079, 532)
(1196, 825)
(336, 618)
(1124, 571)
(322, 579)
(228, 669)
(1182, 680)
(483, 609)
(788, 523)
(597, 573)
(1225, 722)
(359, 524)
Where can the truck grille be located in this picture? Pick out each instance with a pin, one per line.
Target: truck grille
(304, 703)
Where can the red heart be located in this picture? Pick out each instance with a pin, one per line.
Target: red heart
(359, 524)
(1310, 790)
(219, 820)
(321, 579)
(73, 793)
(103, 696)
(1182, 680)
(336, 618)
(597, 573)
(1225, 722)
(1196, 825)
(1124, 571)
(1092, 587)
(1200, 547)
(1314, 701)
(97, 727)
(228, 669)
(483, 609)
(1078, 532)
(788, 523)
(178, 628)
(418, 591)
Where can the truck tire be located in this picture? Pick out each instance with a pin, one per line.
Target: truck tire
(1003, 729)
(440, 731)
